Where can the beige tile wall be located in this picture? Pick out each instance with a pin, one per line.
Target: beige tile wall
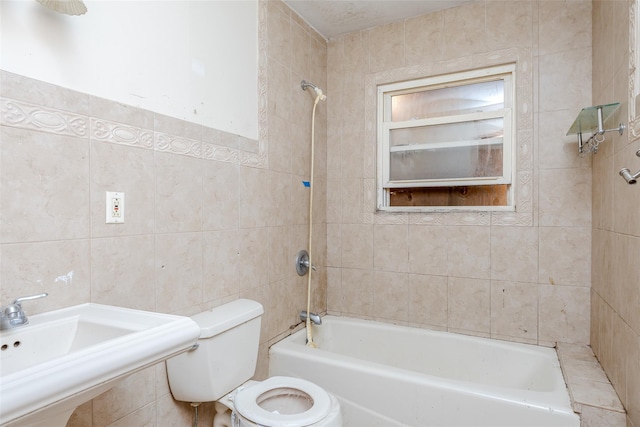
(522, 276)
(210, 216)
(615, 308)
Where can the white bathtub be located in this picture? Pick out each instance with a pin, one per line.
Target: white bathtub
(387, 375)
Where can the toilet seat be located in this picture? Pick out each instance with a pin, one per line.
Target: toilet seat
(247, 402)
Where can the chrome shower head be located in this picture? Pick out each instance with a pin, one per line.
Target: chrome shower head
(305, 84)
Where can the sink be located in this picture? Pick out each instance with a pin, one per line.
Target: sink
(66, 357)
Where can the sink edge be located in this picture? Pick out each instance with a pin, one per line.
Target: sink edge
(94, 365)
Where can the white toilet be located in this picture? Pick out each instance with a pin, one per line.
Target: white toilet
(218, 371)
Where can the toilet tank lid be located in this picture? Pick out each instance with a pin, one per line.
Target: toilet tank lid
(227, 316)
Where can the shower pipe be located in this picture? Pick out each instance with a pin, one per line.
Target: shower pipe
(319, 97)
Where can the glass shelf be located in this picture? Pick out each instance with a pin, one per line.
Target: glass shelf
(587, 120)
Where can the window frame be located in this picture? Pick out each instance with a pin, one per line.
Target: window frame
(385, 92)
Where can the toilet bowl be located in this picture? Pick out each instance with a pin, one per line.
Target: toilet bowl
(282, 402)
(219, 367)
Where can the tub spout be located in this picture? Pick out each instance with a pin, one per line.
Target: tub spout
(315, 318)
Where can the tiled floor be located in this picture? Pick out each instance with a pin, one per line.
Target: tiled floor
(592, 395)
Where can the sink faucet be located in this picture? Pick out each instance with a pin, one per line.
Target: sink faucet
(13, 315)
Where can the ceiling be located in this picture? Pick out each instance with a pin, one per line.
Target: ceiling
(334, 17)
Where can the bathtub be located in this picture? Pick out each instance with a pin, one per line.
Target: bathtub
(388, 375)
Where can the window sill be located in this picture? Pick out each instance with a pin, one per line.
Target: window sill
(443, 209)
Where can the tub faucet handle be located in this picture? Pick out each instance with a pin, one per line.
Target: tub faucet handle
(303, 263)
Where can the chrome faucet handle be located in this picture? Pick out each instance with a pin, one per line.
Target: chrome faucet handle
(19, 300)
(13, 315)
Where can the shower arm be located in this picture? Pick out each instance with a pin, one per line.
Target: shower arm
(305, 84)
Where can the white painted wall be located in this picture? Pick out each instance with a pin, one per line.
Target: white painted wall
(194, 60)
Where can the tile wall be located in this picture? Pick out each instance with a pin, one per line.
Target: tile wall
(521, 276)
(210, 216)
(615, 307)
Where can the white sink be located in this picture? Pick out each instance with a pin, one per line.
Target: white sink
(66, 357)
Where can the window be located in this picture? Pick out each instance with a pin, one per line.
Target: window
(447, 141)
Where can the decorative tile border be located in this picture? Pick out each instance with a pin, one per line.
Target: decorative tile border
(35, 117)
(116, 133)
(28, 116)
(173, 144)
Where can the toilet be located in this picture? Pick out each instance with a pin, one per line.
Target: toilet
(219, 369)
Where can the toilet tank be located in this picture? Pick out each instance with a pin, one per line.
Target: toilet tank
(226, 355)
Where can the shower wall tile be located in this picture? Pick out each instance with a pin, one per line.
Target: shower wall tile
(428, 300)
(509, 24)
(555, 17)
(279, 33)
(424, 38)
(301, 45)
(573, 303)
(514, 253)
(278, 89)
(357, 292)
(390, 248)
(514, 310)
(469, 251)
(555, 149)
(280, 136)
(391, 302)
(335, 299)
(565, 256)
(334, 245)
(386, 46)
(469, 305)
(464, 30)
(357, 246)
(565, 71)
(352, 199)
(428, 250)
(564, 197)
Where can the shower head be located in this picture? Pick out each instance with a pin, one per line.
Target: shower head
(305, 84)
(68, 7)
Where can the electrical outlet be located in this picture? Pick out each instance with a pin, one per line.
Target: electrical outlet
(115, 207)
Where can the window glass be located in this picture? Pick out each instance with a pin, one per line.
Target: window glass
(476, 97)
